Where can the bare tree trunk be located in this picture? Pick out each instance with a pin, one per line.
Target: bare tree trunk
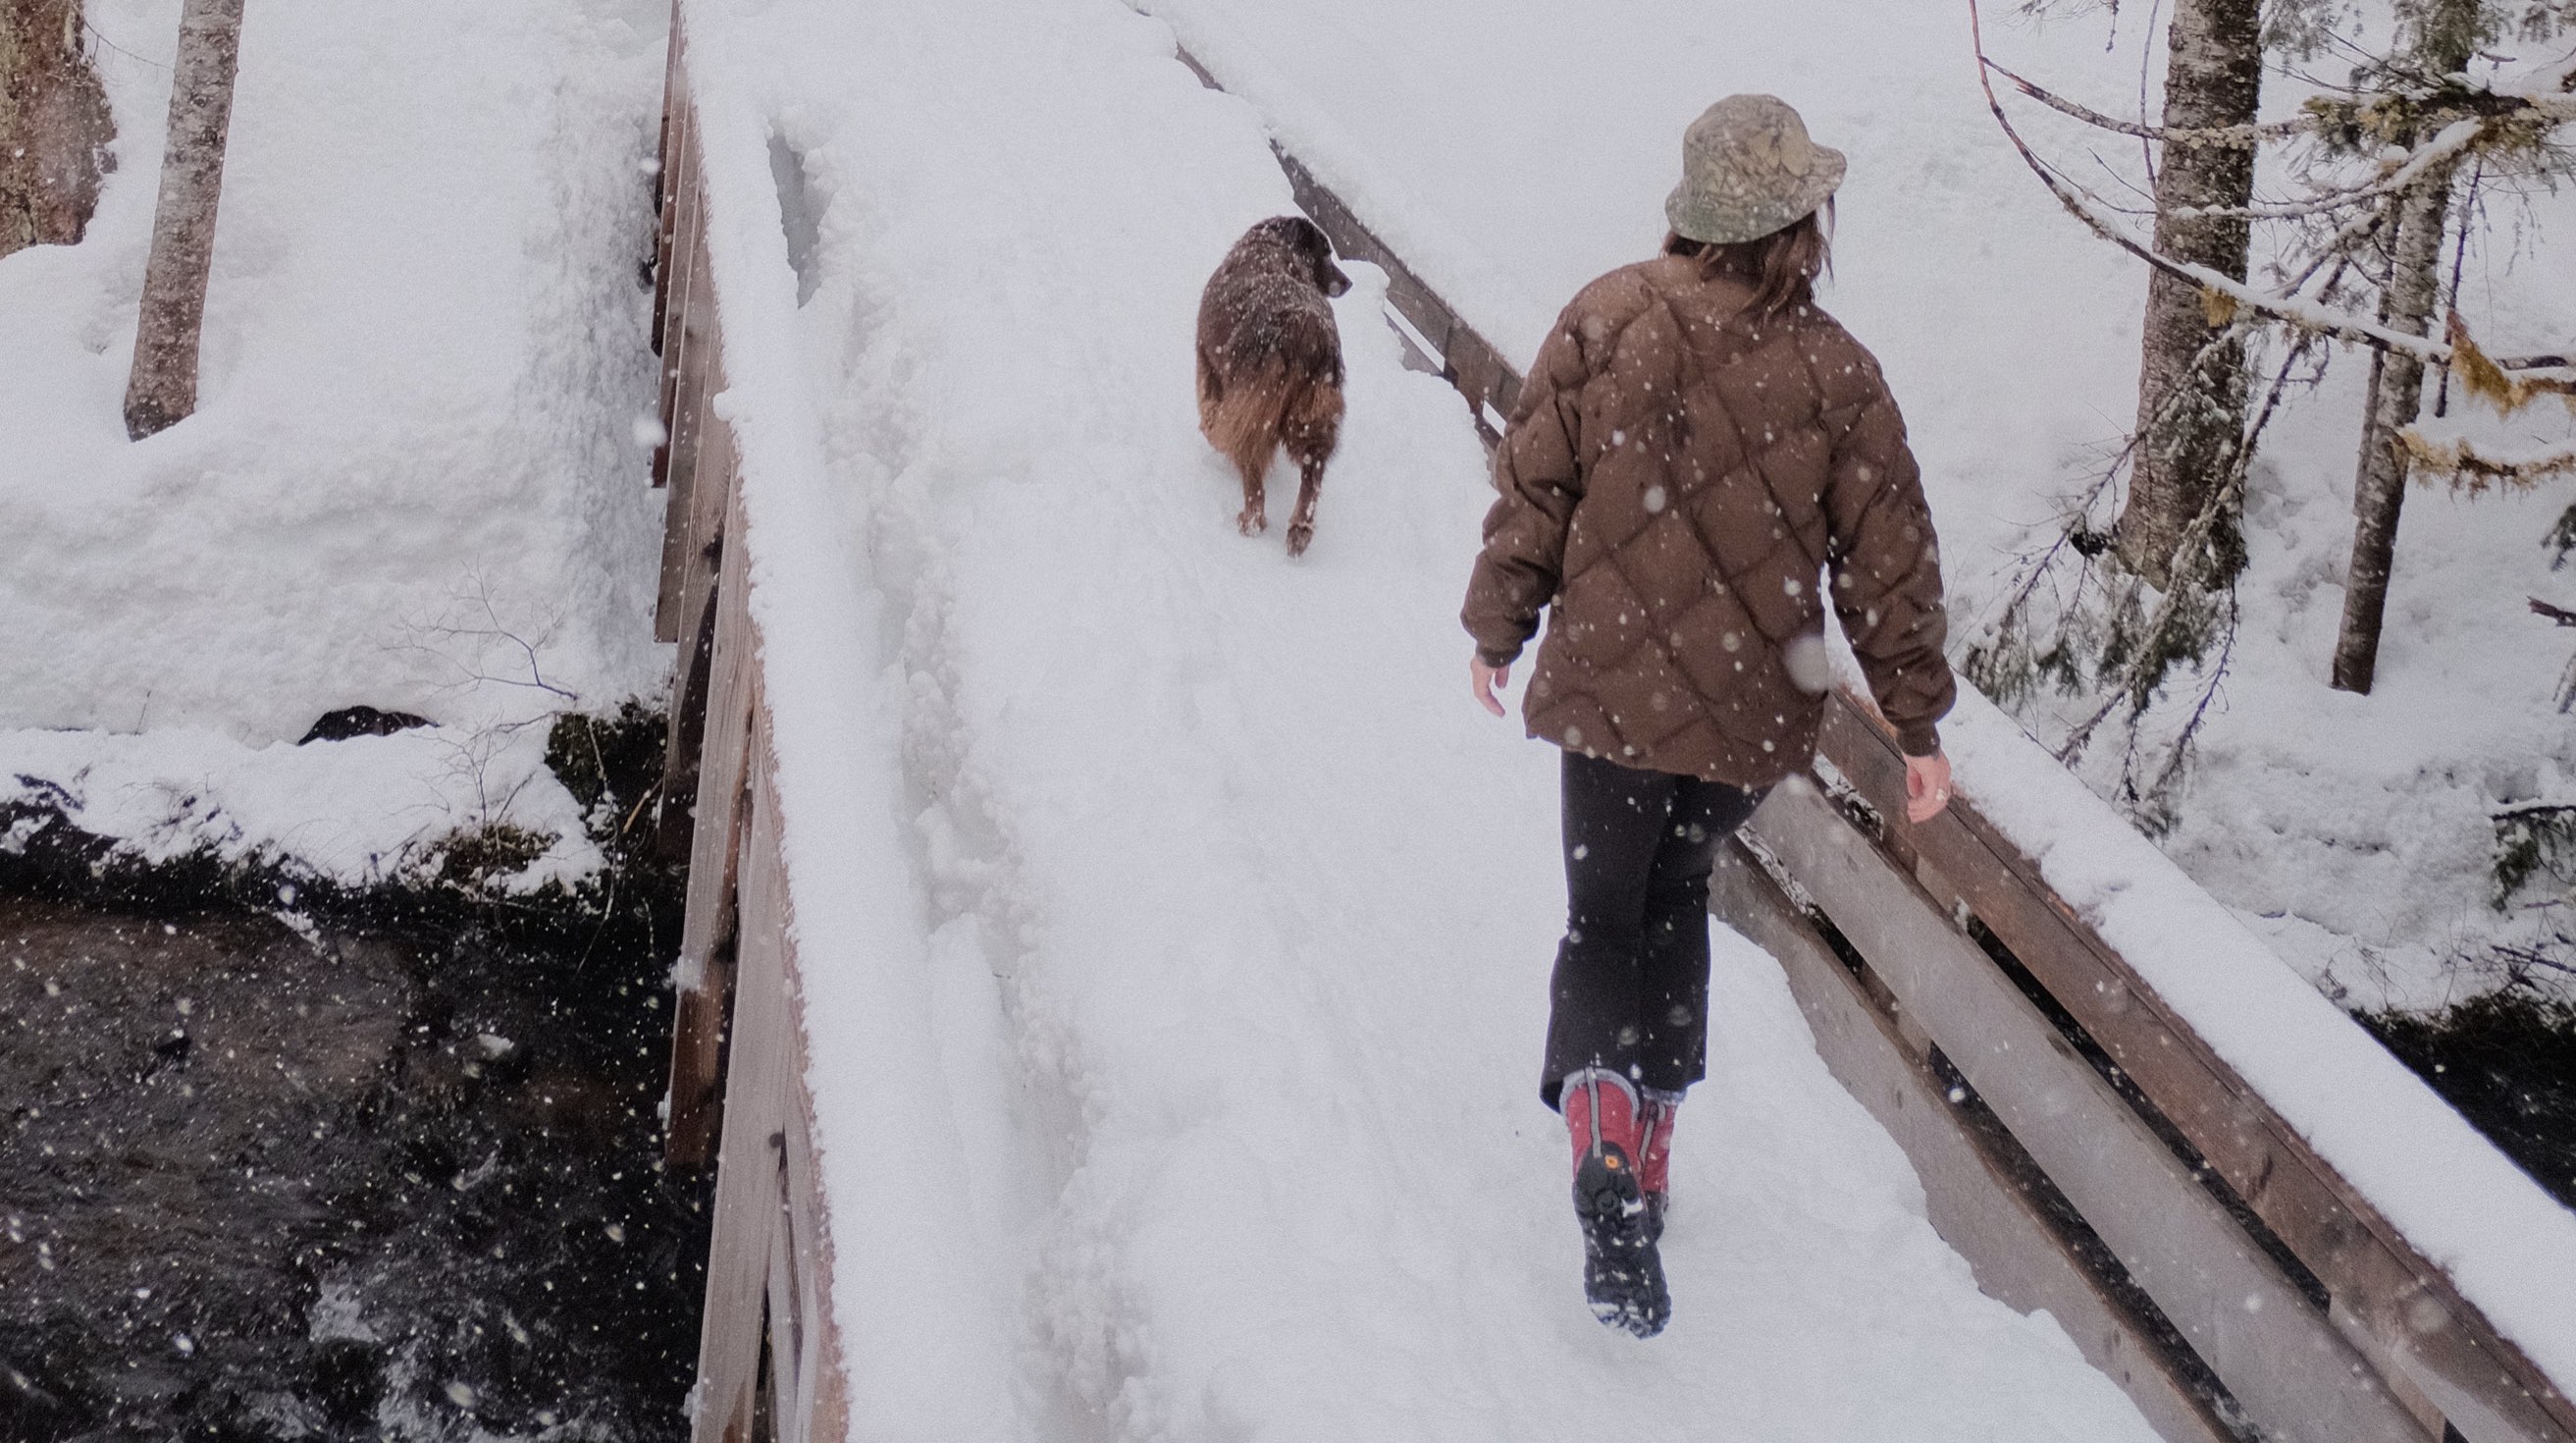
(2450, 34)
(163, 389)
(2191, 418)
(54, 125)
(2396, 396)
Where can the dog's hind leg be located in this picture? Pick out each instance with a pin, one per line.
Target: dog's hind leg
(1246, 429)
(1310, 430)
(1301, 522)
(1256, 507)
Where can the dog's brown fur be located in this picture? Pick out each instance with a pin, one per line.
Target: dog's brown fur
(1270, 363)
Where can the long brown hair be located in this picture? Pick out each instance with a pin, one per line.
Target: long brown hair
(1783, 265)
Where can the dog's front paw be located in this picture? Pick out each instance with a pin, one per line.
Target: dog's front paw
(1252, 523)
(1299, 534)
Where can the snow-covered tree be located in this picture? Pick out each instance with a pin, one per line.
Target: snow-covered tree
(2114, 610)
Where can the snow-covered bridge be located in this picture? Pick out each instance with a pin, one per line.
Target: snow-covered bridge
(1112, 958)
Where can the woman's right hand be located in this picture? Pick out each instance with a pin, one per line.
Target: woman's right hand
(1484, 679)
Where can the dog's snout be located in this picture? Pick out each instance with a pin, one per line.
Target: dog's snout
(1335, 283)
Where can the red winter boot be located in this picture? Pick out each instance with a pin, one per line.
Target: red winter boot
(1656, 1109)
(1623, 1278)
(1601, 1111)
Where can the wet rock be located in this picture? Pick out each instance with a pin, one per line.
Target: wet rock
(360, 721)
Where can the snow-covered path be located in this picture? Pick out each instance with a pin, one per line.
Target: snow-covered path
(1237, 911)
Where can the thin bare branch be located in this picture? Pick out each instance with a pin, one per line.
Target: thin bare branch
(2230, 135)
(2292, 310)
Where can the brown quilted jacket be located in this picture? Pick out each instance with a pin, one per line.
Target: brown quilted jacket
(1677, 477)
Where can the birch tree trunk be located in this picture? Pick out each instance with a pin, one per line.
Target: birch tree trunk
(163, 388)
(2396, 395)
(2450, 33)
(54, 125)
(2191, 416)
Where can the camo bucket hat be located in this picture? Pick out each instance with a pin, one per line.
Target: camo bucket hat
(1748, 169)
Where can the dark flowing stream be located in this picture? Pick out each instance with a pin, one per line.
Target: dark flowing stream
(396, 1178)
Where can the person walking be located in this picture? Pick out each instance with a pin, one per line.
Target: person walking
(1700, 461)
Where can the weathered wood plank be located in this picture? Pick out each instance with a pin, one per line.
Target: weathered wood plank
(713, 482)
(809, 1387)
(682, 223)
(690, 354)
(2402, 1311)
(2292, 1370)
(757, 1085)
(825, 1404)
(710, 489)
(706, 961)
(1971, 1199)
(675, 92)
(786, 1319)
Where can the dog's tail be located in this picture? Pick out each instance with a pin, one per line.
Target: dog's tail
(1281, 403)
(1243, 421)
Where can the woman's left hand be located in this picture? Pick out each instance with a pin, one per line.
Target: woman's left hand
(1927, 787)
(1484, 679)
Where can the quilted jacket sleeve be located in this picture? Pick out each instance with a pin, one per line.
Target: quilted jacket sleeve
(1538, 473)
(1885, 561)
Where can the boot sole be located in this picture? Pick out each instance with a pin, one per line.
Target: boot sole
(1623, 1275)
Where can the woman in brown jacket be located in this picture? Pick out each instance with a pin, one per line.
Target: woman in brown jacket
(1698, 458)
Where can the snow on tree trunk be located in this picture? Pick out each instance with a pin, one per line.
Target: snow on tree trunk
(2191, 418)
(163, 389)
(2449, 35)
(54, 125)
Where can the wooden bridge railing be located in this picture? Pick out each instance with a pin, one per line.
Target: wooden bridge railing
(2079, 1142)
(2205, 1254)
(769, 1364)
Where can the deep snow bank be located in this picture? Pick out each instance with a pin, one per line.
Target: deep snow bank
(354, 812)
(416, 480)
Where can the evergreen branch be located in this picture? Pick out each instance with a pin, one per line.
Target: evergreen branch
(2473, 471)
(2455, 140)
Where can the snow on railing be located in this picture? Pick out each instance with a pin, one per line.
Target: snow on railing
(734, 448)
(2125, 1108)
(802, 904)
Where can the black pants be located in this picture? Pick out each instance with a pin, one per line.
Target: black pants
(1630, 991)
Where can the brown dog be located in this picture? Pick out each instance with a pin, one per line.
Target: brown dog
(1270, 363)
